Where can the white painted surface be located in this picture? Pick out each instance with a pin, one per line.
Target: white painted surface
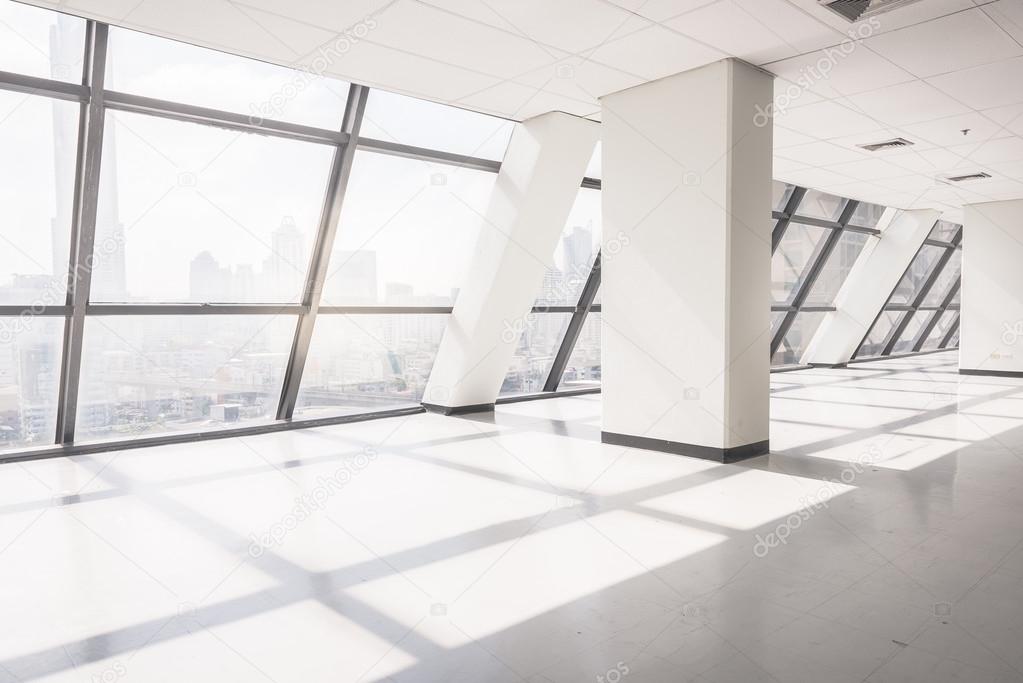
(528, 208)
(524, 549)
(924, 72)
(991, 327)
(686, 258)
(867, 286)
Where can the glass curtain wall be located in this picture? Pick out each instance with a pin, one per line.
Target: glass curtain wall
(922, 312)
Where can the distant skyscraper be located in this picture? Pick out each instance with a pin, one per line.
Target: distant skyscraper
(353, 278)
(577, 250)
(288, 262)
(207, 281)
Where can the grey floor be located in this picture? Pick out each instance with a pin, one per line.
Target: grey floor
(882, 540)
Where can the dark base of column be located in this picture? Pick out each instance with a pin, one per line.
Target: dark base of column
(459, 410)
(991, 373)
(723, 455)
(831, 366)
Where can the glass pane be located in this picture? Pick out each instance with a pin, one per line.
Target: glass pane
(37, 171)
(797, 338)
(573, 257)
(866, 215)
(795, 253)
(776, 318)
(194, 213)
(953, 343)
(817, 204)
(873, 345)
(41, 43)
(408, 232)
(593, 168)
(907, 340)
(156, 374)
(141, 64)
(781, 192)
(411, 121)
(583, 369)
(30, 353)
(939, 331)
(540, 336)
(362, 363)
(919, 271)
(943, 231)
(837, 268)
(949, 276)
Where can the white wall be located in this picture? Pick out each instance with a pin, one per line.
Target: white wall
(686, 258)
(991, 322)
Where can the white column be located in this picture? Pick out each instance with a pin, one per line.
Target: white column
(868, 285)
(686, 263)
(991, 317)
(535, 189)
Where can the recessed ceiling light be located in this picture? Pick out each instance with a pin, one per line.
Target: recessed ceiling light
(854, 10)
(894, 143)
(969, 176)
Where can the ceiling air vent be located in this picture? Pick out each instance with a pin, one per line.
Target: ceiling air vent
(854, 10)
(969, 176)
(894, 143)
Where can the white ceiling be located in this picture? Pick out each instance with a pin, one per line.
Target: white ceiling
(927, 72)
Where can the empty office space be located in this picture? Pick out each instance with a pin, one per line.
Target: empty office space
(545, 341)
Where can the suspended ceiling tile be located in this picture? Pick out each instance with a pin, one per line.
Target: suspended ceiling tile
(1008, 14)
(906, 103)
(833, 73)
(580, 79)
(868, 169)
(985, 87)
(571, 25)
(422, 77)
(949, 130)
(992, 151)
(655, 52)
(952, 43)
(324, 14)
(826, 120)
(783, 137)
(422, 30)
(659, 10)
(820, 154)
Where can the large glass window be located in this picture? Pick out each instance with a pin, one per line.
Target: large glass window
(836, 268)
(573, 257)
(821, 205)
(30, 353)
(874, 342)
(146, 375)
(407, 233)
(797, 338)
(141, 64)
(948, 277)
(914, 278)
(409, 121)
(41, 43)
(940, 329)
(37, 171)
(793, 258)
(191, 213)
(583, 368)
(538, 342)
(363, 363)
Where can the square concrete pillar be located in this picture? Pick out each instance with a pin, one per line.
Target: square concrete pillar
(686, 256)
(991, 305)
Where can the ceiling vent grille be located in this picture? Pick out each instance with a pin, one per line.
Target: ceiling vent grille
(969, 176)
(894, 143)
(855, 10)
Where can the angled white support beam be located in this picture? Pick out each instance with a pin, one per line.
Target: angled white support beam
(991, 318)
(870, 282)
(533, 195)
(686, 263)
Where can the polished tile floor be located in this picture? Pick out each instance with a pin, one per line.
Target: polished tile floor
(882, 540)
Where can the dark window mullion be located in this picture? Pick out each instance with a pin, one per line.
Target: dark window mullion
(575, 326)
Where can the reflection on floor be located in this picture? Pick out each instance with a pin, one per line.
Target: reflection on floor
(882, 540)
